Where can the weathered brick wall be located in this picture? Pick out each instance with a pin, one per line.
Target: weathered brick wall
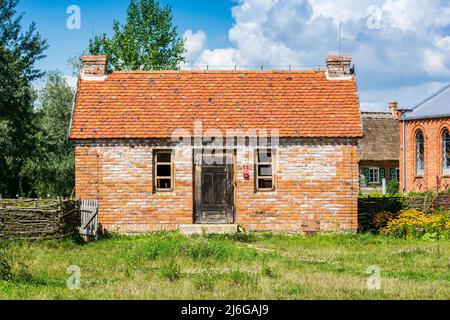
(120, 177)
(316, 180)
(433, 179)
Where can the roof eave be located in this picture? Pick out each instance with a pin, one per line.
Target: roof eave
(426, 117)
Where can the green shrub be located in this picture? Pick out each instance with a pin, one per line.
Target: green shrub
(171, 271)
(205, 281)
(201, 250)
(241, 278)
(161, 248)
(269, 272)
(381, 219)
(5, 264)
(393, 187)
(245, 237)
(5, 269)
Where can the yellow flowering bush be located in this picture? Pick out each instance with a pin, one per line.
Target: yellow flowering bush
(413, 223)
(381, 219)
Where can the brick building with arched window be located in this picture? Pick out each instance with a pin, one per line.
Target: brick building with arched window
(425, 144)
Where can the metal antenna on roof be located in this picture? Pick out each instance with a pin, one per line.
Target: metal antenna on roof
(340, 34)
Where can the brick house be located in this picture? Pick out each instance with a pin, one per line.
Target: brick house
(378, 150)
(425, 144)
(267, 150)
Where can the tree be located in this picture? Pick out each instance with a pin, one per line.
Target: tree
(393, 187)
(19, 52)
(50, 171)
(147, 41)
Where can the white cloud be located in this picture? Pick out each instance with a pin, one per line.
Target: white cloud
(225, 58)
(342, 10)
(388, 39)
(407, 96)
(417, 15)
(194, 44)
(437, 60)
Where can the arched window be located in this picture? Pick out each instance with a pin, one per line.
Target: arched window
(446, 153)
(420, 154)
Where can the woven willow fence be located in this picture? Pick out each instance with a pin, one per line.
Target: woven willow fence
(38, 219)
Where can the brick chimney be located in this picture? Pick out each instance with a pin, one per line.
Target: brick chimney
(393, 108)
(94, 67)
(338, 67)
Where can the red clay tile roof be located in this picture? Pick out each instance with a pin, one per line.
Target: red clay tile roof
(154, 104)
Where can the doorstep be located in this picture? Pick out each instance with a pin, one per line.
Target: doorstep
(199, 229)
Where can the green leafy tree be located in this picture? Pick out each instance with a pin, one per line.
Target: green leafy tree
(147, 41)
(50, 171)
(19, 52)
(393, 187)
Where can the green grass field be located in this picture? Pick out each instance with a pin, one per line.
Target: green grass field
(242, 266)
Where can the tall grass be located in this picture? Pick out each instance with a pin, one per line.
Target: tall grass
(241, 266)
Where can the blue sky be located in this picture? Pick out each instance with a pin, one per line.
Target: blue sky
(97, 17)
(401, 48)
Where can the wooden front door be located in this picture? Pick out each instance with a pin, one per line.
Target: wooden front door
(214, 194)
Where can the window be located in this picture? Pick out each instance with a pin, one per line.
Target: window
(420, 154)
(163, 170)
(264, 172)
(373, 175)
(446, 153)
(395, 174)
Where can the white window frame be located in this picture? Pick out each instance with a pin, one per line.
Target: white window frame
(377, 170)
(446, 153)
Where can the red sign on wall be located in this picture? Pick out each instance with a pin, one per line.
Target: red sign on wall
(246, 169)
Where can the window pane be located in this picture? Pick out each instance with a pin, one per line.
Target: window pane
(163, 157)
(164, 184)
(374, 176)
(394, 174)
(420, 154)
(264, 156)
(265, 170)
(163, 170)
(265, 184)
(446, 153)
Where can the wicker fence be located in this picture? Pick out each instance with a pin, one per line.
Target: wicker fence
(38, 219)
(368, 207)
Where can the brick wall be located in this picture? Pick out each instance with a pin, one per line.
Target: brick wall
(316, 182)
(432, 179)
(120, 176)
